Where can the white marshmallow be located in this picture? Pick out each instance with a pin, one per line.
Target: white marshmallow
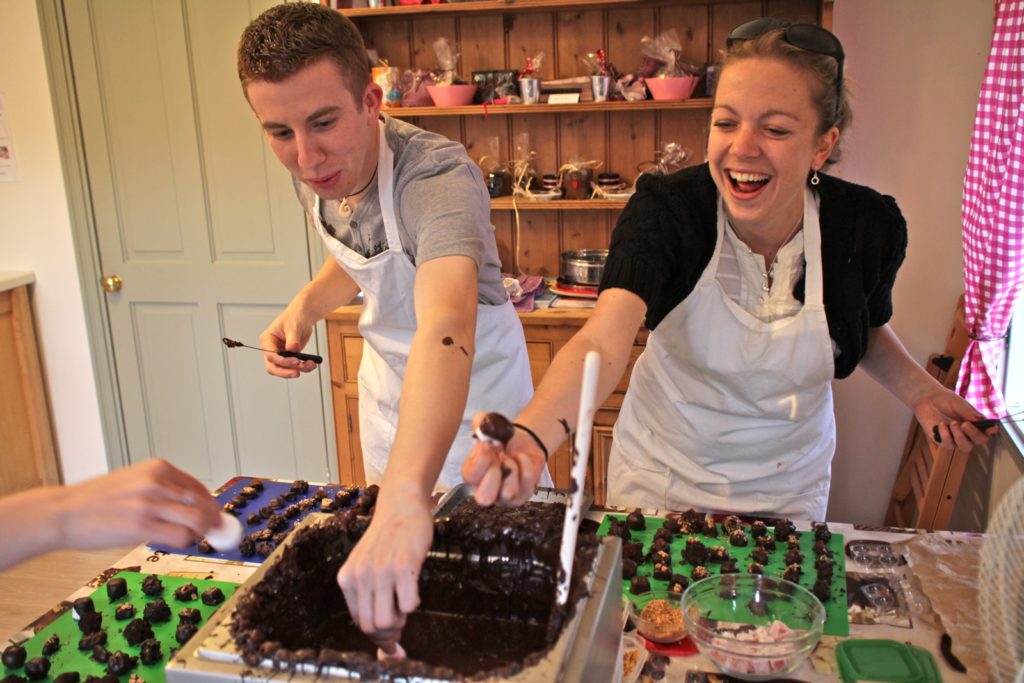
(227, 535)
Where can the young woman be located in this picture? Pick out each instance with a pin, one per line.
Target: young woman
(761, 279)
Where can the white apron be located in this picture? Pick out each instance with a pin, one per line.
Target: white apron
(500, 379)
(728, 413)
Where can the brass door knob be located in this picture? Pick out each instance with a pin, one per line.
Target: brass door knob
(111, 283)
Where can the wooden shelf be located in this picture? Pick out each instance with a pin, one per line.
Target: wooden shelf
(524, 204)
(483, 6)
(504, 109)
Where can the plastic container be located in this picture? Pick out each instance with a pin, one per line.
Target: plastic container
(452, 95)
(672, 88)
(885, 660)
(787, 623)
(658, 617)
(634, 651)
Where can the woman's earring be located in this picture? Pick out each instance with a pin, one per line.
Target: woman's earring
(815, 179)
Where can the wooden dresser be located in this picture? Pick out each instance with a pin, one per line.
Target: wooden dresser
(27, 458)
(546, 332)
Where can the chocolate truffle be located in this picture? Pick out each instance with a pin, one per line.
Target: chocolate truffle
(265, 511)
(157, 611)
(186, 592)
(619, 528)
(737, 538)
(230, 509)
(671, 524)
(636, 520)
(13, 656)
(822, 590)
(767, 542)
(678, 583)
(264, 548)
(628, 568)
(51, 645)
(292, 511)
(793, 557)
(695, 552)
(149, 651)
(205, 547)
(90, 641)
(239, 502)
(83, 606)
(152, 586)
(497, 427)
(101, 679)
(91, 622)
(659, 544)
(125, 611)
(633, 551)
(731, 524)
(708, 528)
(699, 572)
(257, 484)
(279, 537)
(664, 534)
(247, 548)
(100, 654)
(783, 529)
(120, 663)
(13, 679)
(793, 541)
(67, 677)
(755, 568)
(190, 614)
(326, 505)
(213, 596)
(319, 494)
(137, 631)
(117, 588)
(249, 492)
(277, 522)
(821, 548)
(758, 528)
(792, 573)
(253, 518)
(37, 668)
(639, 584)
(662, 571)
(821, 531)
(760, 555)
(300, 486)
(730, 566)
(185, 630)
(275, 503)
(718, 554)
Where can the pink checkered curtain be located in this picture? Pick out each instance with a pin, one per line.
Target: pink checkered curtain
(993, 213)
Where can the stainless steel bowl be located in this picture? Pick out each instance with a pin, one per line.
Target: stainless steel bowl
(583, 266)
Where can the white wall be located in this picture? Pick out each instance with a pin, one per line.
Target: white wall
(917, 67)
(35, 235)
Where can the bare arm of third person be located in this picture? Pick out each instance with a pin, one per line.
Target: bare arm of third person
(551, 415)
(888, 362)
(290, 331)
(379, 579)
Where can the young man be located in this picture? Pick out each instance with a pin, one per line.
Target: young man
(405, 216)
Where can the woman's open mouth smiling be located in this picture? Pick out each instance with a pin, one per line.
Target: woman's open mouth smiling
(745, 183)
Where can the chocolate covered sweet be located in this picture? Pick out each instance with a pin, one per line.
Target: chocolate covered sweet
(247, 547)
(204, 547)
(767, 542)
(107, 678)
(213, 596)
(300, 486)
(730, 566)
(37, 668)
(152, 585)
(731, 524)
(633, 551)
(662, 571)
(90, 641)
(326, 505)
(737, 538)
(67, 677)
(253, 518)
(639, 584)
(619, 528)
(185, 631)
(695, 552)
(505, 608)
(190, 614)
(150, 652)
(83, 606)
(628, 569)
(636, 521)
(239, 502)
(100, 654)
(51, 645)
(90, 622)
(264, 548)
(497, 428)
(758, 528)
(157, 611)
(11, 678)
(117, 588)
(13, 656)
(708, 527)
(822, 590)
(792, 573)
(783, 529)
(124, 611)
(821, 531)
(793, 556)
(137, 631)
(718, 554)
(660, 545)
(820, 547)
(664, 535)
(249, 492)
(678, 583)
(120, 663)
(292, 511)
(186, 592)
(700, 572)
(755, 568)
(672, 525)
(760, 555)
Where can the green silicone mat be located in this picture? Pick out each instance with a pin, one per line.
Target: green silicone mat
(69, 658)
(836, 620)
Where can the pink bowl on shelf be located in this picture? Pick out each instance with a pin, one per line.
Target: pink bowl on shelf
(452, 95)
(673, 87)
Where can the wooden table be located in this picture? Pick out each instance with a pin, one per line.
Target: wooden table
(31, 588)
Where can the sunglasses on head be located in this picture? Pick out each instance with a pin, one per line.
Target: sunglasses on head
(808, 37)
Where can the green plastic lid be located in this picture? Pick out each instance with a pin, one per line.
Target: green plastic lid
(885, 661)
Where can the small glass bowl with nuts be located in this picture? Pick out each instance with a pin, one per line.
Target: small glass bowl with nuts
(658, 616)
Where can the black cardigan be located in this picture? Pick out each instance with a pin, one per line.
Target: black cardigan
(665, 237)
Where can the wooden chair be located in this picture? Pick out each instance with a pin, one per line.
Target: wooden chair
(929, 478)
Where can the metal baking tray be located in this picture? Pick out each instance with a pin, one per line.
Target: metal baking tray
(586, 650)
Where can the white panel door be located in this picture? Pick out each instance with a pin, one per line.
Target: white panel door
(200, 222)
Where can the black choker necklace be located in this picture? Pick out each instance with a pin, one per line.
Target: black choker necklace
(343, 208)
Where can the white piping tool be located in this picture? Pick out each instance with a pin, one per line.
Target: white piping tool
(581, 452)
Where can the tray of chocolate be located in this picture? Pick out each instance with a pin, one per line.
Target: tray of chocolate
(127, 629)
(487, 611)
(668, 553)
(270, 509)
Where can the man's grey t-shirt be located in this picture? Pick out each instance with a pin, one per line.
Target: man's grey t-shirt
(441, 204)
